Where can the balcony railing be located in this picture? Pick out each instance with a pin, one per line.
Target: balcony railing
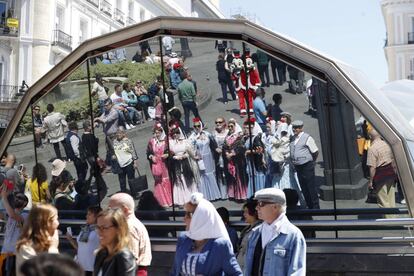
(9, 26)
(411, 38)
(119, 16)
(130, 21)
(106, 8)
(9, 93)
(62, 40)
(94, 2)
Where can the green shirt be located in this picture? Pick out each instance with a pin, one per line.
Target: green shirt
(186, 91)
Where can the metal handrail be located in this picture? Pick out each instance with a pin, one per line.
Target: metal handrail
(106, 7)
(94, 2)
(62, 39)
(8, 93)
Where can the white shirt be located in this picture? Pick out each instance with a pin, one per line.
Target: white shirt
(271, 231)
(86, 251)
(310, 143)
(167, 42)
(100, 91)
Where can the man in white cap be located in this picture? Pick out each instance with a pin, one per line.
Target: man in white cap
(303, 153)
(275, 247)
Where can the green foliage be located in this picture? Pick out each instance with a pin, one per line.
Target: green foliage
(147, 73)
(72, 99)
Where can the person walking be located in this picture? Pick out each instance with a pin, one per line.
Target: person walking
(76, 152)
(380, 161)
(54, 125)
(224, 79)
(263, 67)
(127, 158)
(275, 247)
(303, 153)
(187, 96)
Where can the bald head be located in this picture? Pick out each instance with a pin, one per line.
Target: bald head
(123, 201)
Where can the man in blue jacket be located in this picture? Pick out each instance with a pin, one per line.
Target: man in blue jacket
(275, 247)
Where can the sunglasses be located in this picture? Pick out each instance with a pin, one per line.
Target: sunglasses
(219, 122)
(37, 109)
(263, 203)
(197, 126)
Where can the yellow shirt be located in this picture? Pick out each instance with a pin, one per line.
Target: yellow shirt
(34, 190)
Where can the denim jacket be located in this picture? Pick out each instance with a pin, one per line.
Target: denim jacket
(285, 253)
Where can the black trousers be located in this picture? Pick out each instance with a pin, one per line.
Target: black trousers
(306, 176)
(57, 149)
(264, 72)
(81, 168)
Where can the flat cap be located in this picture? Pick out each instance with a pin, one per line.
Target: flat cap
(271, 195)
(297, 123)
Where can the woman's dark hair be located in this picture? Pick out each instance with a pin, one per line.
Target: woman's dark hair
(19, 201)
(277, 98)
(50, 108)
(125, 86)
(251, 207)
(148, 202)
(46, 264)
(224, 214)
(94, 209)
(39, 173)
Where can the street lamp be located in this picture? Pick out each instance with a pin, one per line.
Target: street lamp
(23, 89)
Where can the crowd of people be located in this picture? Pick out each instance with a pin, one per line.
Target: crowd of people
(114, 242)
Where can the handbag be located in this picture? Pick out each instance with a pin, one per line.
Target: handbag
(138, 184)
(372, 197)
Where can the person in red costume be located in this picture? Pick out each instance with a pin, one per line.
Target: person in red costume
(252, 80)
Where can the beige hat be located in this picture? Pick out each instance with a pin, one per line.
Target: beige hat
(57, 167)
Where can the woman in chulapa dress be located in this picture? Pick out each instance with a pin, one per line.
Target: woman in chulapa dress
(255, 157)
(205, 146)
(219, 134)
(184, 168)
(157, 154)
(235, 162)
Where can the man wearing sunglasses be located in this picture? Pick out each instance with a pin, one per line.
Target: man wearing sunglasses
(275, 247)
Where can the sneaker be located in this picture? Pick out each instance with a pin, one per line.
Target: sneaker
(237, 97)
(403, 201)
(133, 126)
(127, 126)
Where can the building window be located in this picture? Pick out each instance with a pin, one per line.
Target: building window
(60, 18)
(83, 31)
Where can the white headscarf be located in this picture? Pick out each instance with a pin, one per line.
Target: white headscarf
(256, 129)
(206, 223)
(158, 126)
(237, 127)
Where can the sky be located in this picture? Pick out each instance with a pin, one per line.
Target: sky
(352, 31)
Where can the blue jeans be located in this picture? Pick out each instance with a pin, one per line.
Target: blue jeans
(189, 106)
(101, 106)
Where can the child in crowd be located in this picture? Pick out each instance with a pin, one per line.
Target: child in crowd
(14, 205)
(87, 241)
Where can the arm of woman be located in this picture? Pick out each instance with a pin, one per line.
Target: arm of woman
(230, 265)
(10, 211)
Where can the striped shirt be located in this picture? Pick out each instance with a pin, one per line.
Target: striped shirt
(140, 245)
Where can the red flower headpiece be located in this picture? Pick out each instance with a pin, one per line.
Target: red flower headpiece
(268, 119)
(236, 54)
(196, 120)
